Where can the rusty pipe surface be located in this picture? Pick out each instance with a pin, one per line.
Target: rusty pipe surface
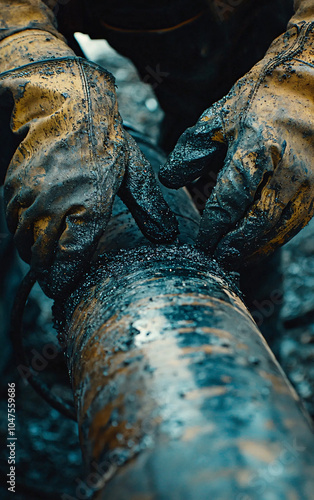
(177, 394)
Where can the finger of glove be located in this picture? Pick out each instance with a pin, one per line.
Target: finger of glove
(36, 241)
(75, 246)
(36, 236)
(236, 188)
(47, 231)
(273, 221)
(24, 233)
(57, 231)
(17, 201)
(199, 149)
(142, 195)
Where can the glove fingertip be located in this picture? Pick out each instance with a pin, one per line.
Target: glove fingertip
(230, 258)
(209, 235)
(169, 177)
(161, 228)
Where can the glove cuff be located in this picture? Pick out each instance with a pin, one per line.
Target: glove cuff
(31, 46)
(19, 15)
(44, 67)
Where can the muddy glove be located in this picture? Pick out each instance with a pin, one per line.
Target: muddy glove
(71, 158)
(261, 134)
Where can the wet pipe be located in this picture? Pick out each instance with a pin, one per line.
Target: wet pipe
(177, 394)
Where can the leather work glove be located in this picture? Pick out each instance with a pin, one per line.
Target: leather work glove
(262, 135)
(71, 155)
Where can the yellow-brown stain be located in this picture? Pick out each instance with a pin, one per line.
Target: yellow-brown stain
(207, 349)
(206, 392)
(270, 425)
(217, 136)
(243, 476)
(100, 438)
(193, 432)
(217, 332)
(278, 383)
(259, 450)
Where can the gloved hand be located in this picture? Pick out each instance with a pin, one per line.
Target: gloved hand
(262, 135)
(71, 158)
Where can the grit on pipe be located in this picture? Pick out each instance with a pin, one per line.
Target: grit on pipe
(177, 394)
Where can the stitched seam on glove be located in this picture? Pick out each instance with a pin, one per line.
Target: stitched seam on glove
(284, 56)
(58, 60)
(91, 137)
(303, 62)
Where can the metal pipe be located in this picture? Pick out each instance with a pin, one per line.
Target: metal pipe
(177, 394)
